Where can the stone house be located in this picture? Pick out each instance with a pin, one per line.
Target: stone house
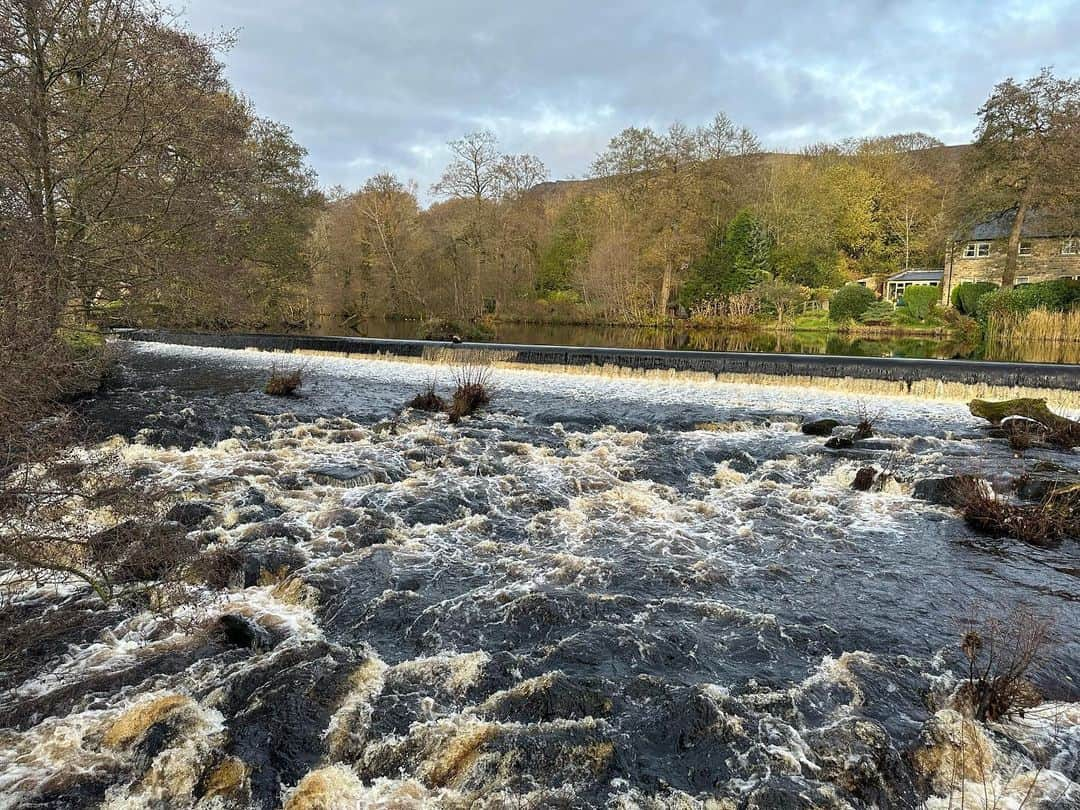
(1046, 252)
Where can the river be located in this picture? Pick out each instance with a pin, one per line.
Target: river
(600, 592)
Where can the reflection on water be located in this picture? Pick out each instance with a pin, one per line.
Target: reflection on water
(735, 340)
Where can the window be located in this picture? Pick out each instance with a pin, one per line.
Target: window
(976, 250)
(1070, 247)
(1025, 249)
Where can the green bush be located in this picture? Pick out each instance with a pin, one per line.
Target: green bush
(850, 302)
(443, 329)
(966, 296)
(879, 312)
(1059, 295)
(919, 301)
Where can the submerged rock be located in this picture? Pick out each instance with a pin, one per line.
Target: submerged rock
(944, 491)
(278, 710)
(857, 756)
(190, 513)
(820, 427)
(864, 479)
(243, 632)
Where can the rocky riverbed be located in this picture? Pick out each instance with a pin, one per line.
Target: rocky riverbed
(599, 592)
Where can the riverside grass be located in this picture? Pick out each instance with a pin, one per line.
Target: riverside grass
(1054, 335)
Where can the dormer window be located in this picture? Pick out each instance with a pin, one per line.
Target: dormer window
(1070, 247)
(976, 250)
(1025, 249)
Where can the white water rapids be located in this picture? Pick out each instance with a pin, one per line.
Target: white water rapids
(599, 592)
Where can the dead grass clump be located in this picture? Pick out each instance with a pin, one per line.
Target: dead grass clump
(1023, 434)
(472, 391)
(428, 400)
(1000, 651)
(1038, 524)
(284, 383)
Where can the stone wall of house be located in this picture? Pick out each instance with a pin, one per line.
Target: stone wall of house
(1044, 264)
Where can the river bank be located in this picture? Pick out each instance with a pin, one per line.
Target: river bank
(600, 592)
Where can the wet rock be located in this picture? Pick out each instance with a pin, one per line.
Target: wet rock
(153, 742)
(857, 756)
(257, 563)
(290, 481)
(240, 631)
(336, 517)
(278, 710)
(545, 699)
(190, 513)
(864, 479)
(842, 441)
(783, 793)
(944, 491)
(820, 427)
(1039, 487)
(276, 529)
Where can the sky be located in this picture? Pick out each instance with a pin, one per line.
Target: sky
(381, 85)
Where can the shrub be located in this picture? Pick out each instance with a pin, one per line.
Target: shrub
(1059, 295)
(879, 313)
(283, 383)
(473, 391)
(1000, 650)
(443, 329)
(849, 302)
(1037, 524)
(966, 296)
(920, 301)
(428, 400)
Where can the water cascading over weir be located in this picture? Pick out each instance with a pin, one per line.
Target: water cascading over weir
(957, 380)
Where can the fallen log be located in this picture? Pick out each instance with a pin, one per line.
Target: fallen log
(1060, 430)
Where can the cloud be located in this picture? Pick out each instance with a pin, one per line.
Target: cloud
(382, 85)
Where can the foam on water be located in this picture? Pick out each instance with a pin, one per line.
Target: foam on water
(606, 592)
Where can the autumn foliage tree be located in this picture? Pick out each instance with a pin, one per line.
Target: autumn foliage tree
(1027, 155)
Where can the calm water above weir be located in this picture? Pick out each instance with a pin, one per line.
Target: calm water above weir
(600, 593)
(736, 341)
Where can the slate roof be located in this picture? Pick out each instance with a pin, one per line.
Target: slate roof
(1000, 224)
(918, 274)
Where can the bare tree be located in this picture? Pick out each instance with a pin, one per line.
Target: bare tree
(473, 173)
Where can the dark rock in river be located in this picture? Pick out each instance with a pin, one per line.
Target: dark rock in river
(276, 529)
(278, 710)
(943, 491)
(864, 479)
(545, 699)
(820, 427)
(190, 513)
(243, 632)
(783, 793)
(841, 442)
(857, 756)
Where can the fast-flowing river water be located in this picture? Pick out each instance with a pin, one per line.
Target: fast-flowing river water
(599, 592)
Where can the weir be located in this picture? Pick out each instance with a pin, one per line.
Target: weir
(958, 380)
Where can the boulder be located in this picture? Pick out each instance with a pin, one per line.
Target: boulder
(864, 479)
(945, 491)
(820, 427)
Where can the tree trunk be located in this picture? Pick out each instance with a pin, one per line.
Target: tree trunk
(665, 291)
(1012, 258)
